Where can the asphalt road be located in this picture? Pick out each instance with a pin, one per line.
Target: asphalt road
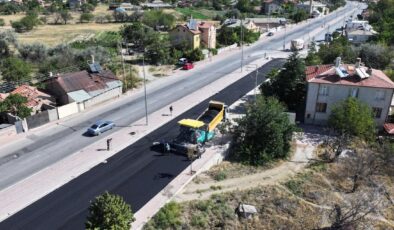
(41, 149)
(136, 173)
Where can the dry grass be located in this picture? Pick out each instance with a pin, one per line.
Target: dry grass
(56, 34)
(9, 18)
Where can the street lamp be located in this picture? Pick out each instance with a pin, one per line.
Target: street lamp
(284, 40)
(251, 67)
(143, 71)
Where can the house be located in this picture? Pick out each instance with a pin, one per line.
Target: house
(248, 24)
(87, 87)
(316, 6)
(208, 34)
(75, 4)
(272, 6)
(359, 36)
(352, 25)
(36, 100)
(330, 84)
(193, 34)
(156, 5)
(265, 24)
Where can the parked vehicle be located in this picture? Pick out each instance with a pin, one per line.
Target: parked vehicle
(270, 34)
(182, 61)
(100, 127)
(194, 134)
(188, 66)
(297, 44)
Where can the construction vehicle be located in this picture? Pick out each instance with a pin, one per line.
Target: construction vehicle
(194, 133)
(297, 44)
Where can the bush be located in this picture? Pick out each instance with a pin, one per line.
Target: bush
(199, 220)
(2, 23)
(221, 175)
(86, 17)
(167, 218)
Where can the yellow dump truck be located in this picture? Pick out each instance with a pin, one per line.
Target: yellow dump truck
(195, 132)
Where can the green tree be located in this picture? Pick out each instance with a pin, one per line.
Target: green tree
(352, 117)
(87, 8)
(158, 52)
(16, 105)
(86, 17)
(155, 18)
(14, 69)
(289, 85)
(65, 16)
(299, 15)
(264, 133)
(27, 23)
(138, 34)
(375, 55)
(244, 6)
(109, 211)
(167, 218)
(337, 48)
(312, 58)
(2, 23)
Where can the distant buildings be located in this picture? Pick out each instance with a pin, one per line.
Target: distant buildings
(247, 23)
(193, 34)
(272, 6)
(314, 9)
(330, 84)
(358, 31)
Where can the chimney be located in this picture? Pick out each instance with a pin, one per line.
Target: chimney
(92, 59)
(50, 74)
(369, 71)
(337, 61)
(358, 62)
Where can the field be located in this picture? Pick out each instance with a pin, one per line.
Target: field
(52, 35)
(196, 14)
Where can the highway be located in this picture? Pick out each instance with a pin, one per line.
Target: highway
(41, 149)
(136, 173)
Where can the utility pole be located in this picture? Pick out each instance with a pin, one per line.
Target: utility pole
(143, 71)
(284, 40)
(242, 45)
(123, 67)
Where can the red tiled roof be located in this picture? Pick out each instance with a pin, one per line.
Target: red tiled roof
(31, 93)
(205, 25)
(3, 96)
(326, 74)
(84, 80)
(389, 127)
(189, 30)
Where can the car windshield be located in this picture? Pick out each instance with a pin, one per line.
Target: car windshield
(94, 126)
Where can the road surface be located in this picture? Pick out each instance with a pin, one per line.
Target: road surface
(136, 173)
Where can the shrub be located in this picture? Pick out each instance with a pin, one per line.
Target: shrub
(221, 175)
(199, 220)
(2, 23)
(167, 218)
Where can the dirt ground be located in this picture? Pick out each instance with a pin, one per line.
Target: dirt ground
(205, 186)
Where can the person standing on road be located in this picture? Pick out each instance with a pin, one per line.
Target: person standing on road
(171, 109)
(109, 144)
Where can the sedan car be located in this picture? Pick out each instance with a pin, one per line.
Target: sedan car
(270, 34)
(100, 127)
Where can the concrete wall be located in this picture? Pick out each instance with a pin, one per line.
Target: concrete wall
(53, 115)
(337, 93)
(37, 120)
(233, 46)
(67, 110)
(116, 92)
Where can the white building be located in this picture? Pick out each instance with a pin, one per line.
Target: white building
(359, 36)
(330, 84)
(316, 6)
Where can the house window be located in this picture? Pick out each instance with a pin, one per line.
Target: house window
(321, 107)
(353, 92)
(323, 90)
(379, 95)
(377, 112)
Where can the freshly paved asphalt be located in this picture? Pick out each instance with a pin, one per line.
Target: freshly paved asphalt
(136, 173)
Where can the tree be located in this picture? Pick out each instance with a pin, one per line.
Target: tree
(14, 69)
(337, 48)
(244, 6)
(158, 52)
(157, 18)
(27, 23)
(299, 15)
(138, 34)
(352, 117)
(16, 105)
(312, 58)
(86, 17)
(375, 55)
(264, 133)
(87, 8)
(65, 15)
(35, 52)
(109, 211)
(4, 49)
(289, 85)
